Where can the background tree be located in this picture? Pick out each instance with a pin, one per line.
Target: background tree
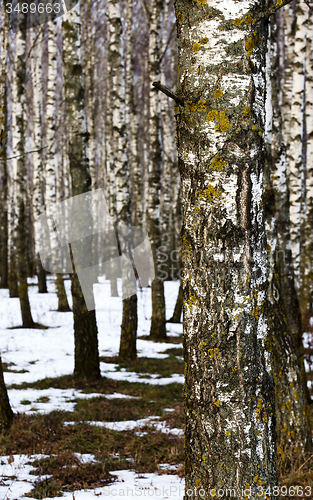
(6, 413)
(21, 233)
(85, 326)
(158, 330)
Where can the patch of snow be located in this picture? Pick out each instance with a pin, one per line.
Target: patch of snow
(57, 399)
(85, 458)
(129, 425)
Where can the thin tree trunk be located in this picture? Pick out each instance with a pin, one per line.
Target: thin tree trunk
(3, 153)
(157, 330)
(85, 326)
(292, 417)
(4, 268)
(280, 198)
(128, 351)
(63, 305)
(176, 318)
(6, 413)
(85, 335)
(13, 285)
(119, 168)
(11, 206)
(21, 231)
(295, 163)
(306, 290)
(41, 273)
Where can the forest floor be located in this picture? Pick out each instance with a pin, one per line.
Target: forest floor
(119, 437)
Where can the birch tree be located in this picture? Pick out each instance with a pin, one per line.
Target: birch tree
(289, 170)
(13, 286)
(120, 166)
(157, 330)
(295, 163)
(85, 326)
(229, 386)
(6, 413)
(293, 426)
(63, 185)
(3, 153)
(306, 290)
(19, 175)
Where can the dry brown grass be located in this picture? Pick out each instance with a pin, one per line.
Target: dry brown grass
(47, 435)
(114, 450)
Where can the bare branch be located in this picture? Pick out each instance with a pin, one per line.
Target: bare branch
(307, 2)
(269, 12)
(147, 11)
(168, 92)
(27, 152)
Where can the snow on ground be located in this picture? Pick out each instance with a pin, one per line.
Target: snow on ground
(129, 425)
(16, 480)
(36, 354)
(46, 400)
(50, 353)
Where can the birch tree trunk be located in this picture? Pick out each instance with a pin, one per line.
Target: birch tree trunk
(48, 127)
(4, 269)
(63, 187)
(229, 387)
(292, 415)
(157, 330)
(110, 188)
(306, 289)
(13, 286)
(281, 78)
(120, 167)
(132, 119)
(295, 160)
(19, 175)
(35, 56)
(6, 413)
(279, 201)
(85, 326)
(176, 318)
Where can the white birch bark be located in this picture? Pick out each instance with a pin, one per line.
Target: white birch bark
(19, 175)
(168, 147)
(3, 153)
(306, 289)
(157, 330)
(11, 187)
(38, 196)
(229, 390)
(295, 167)
(292, 423)
(120, 169)
(131, 115)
